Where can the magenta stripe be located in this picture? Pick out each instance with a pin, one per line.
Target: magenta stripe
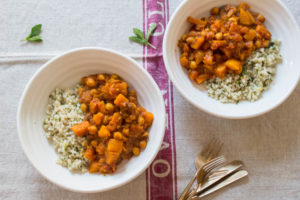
(161, 180)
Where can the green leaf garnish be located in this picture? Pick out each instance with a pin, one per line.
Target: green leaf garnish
(35, 39)
(140, 38)
(138, 33)
(34, 35)
(150, 31)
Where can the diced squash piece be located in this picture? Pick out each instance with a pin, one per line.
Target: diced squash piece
(81, 129)
(103, 132)
(199, 56)
(148, 116)
(94, 167)
(217, 44)
(233, 64)
(90, 153)
(120, 100)
(100, 149)
(208, 58)
(246, 17)
(114, 122)
(101, 107)
(198, 42)
(115, 145)
(184, 61)
(111, 157)
(201, 78)
(250, 35)
(123, 88)
(93, 105)
(92, 130)
(221, 70)
(97, 118)
(193, 74)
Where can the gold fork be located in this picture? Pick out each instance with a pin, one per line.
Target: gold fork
(206, 169)
(209, 152)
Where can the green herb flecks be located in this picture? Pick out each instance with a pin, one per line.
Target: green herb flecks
(34, 35)
(140, 38)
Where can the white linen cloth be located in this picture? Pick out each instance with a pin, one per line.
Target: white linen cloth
(269, 145)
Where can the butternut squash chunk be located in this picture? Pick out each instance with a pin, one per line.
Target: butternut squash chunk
(104, 132)
(97, 118)
(120, 100)
(81, 129)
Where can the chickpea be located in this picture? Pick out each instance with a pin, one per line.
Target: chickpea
(193, 65)
(145, 135)
(184, 37)
(90, 82)
(115, 76)
(92, 130)
(118, 136)
(101, 77)
(190, 40)
(141, 120)
(143, 144)
(258, 44)
(109, 107)
(136, 151)
(219, 36)
(214, 11)
(261, 18)
(93, 92)
(83, 107)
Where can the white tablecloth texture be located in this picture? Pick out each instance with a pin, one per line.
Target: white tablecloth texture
(269, 145)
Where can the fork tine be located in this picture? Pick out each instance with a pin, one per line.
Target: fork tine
(208, 148)
(217, 149)
(214, 163)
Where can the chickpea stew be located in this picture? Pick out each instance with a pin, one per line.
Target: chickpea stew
(115, 124)
(219, 44)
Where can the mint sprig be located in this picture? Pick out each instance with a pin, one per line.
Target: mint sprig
(34, 35)
(140, 38)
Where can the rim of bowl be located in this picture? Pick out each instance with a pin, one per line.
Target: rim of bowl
(137, 66)
(182, 92)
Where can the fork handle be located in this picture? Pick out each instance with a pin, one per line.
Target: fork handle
(188, 187)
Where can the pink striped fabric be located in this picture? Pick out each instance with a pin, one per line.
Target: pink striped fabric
(161, 175)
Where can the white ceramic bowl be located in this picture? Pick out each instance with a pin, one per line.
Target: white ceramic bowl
(282, 26)
(65, 71)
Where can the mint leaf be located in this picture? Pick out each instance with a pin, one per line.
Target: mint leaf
(138, 40)
(34, 35)
(138, 33)
(35, 39)
(150, 31)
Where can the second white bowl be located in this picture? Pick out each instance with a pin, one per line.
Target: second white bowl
(282, 26)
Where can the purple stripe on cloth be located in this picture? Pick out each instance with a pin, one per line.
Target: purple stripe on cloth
(161, 180)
